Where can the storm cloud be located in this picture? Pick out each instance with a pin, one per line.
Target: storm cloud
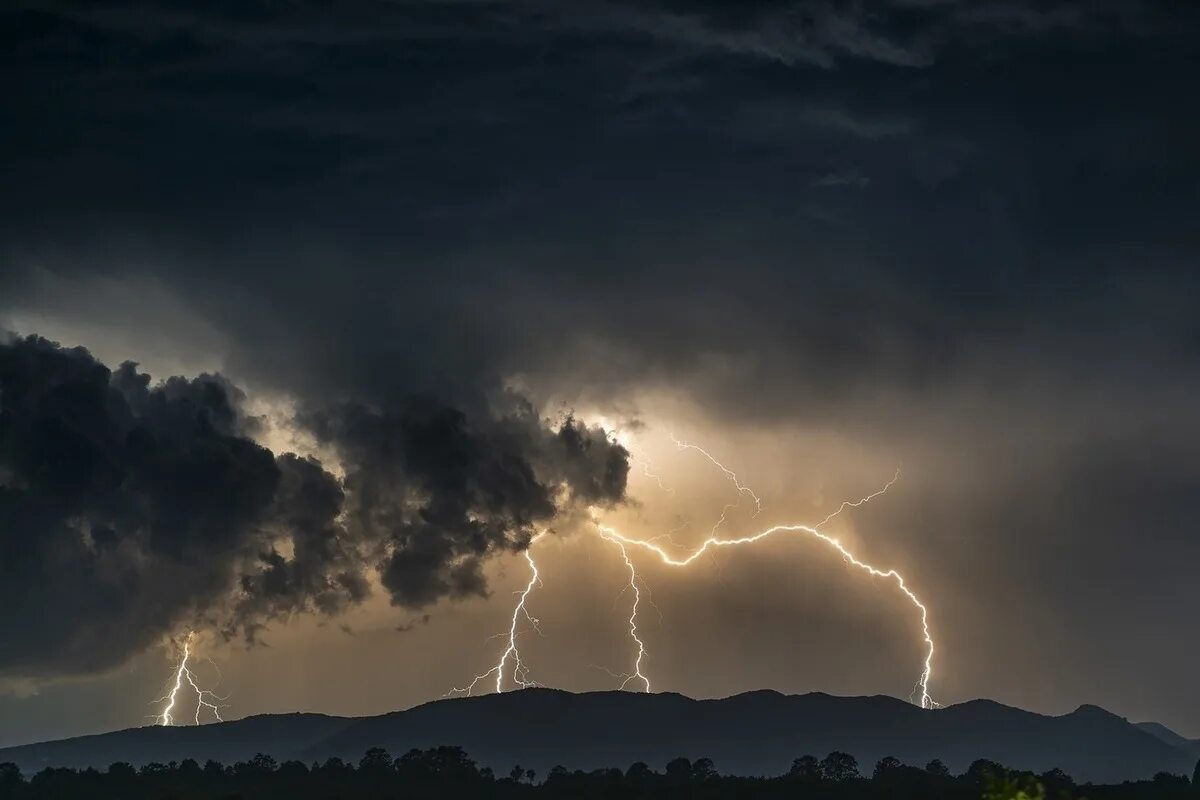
(441, 493)
(131, 510)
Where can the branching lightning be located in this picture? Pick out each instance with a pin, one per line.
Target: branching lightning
(647, 473)
(633, 628)
(859, 502)
(733, 478)
(922, 685)
(204, 697)
(520, 672)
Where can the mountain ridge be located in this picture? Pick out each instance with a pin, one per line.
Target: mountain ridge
(752, 733)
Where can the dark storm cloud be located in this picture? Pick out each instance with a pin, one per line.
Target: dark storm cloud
(124, 508)
(128, 510)
(452, 160)
(325, 570)
(442, 493)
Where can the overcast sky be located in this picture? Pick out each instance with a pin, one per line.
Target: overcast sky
(440, 275)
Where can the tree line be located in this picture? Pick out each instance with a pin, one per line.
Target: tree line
(443, 772)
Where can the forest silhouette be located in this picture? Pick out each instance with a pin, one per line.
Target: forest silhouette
(450, 772)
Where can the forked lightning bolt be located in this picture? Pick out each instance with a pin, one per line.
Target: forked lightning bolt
(520, 673)
(922, 685)
(733, 478)
(204, 697)
(520, 676)
(633, 614)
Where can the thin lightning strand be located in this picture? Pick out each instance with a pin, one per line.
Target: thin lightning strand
(633, 628)
(520, 673)
(733, 478)
(204, 697)
(650, 475)
(860, 502)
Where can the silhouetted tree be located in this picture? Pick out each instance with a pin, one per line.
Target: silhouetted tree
(982, 770)
(1167, 780)
(1057, 782)
(885, 765)
(1196, 775)
(679, 770)
(1002, 785)
(516, 773)
(188, 770)
(10, 779)
(334, 765)
(937, 769)
(259, 766)
(447, 772)
(376, 760)
(805, 768)
(839, 766)
(703, 769)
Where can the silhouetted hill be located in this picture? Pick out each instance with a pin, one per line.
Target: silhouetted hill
(1165, 734)
(226, 742)
(757, 733)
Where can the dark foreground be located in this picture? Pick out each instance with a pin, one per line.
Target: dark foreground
(449, 772)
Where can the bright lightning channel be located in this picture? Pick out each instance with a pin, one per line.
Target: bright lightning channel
(204, 697)
(922, 685)
(520, 672)
(633, 628)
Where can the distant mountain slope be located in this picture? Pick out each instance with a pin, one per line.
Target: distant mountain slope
(282, 734)
(752, 733)
(1163, 733)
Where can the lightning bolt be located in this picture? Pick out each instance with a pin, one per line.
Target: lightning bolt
(714, 541)
(204, 697)
(862, 501)
(633, 628)
(649, 474)
(733, 478)
(520, 673)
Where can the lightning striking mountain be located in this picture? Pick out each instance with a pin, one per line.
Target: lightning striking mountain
(611, 534)
(205, 698)
(520, 673)
(633, 614)
(520, 677)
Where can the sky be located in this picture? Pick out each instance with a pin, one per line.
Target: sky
(314, 316)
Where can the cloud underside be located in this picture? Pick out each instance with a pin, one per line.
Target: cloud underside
(131, 510)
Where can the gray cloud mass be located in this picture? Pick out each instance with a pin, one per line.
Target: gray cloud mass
(129, 510)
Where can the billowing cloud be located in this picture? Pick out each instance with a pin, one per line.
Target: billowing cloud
(440, 493)
(125, 508)
(130, 509)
